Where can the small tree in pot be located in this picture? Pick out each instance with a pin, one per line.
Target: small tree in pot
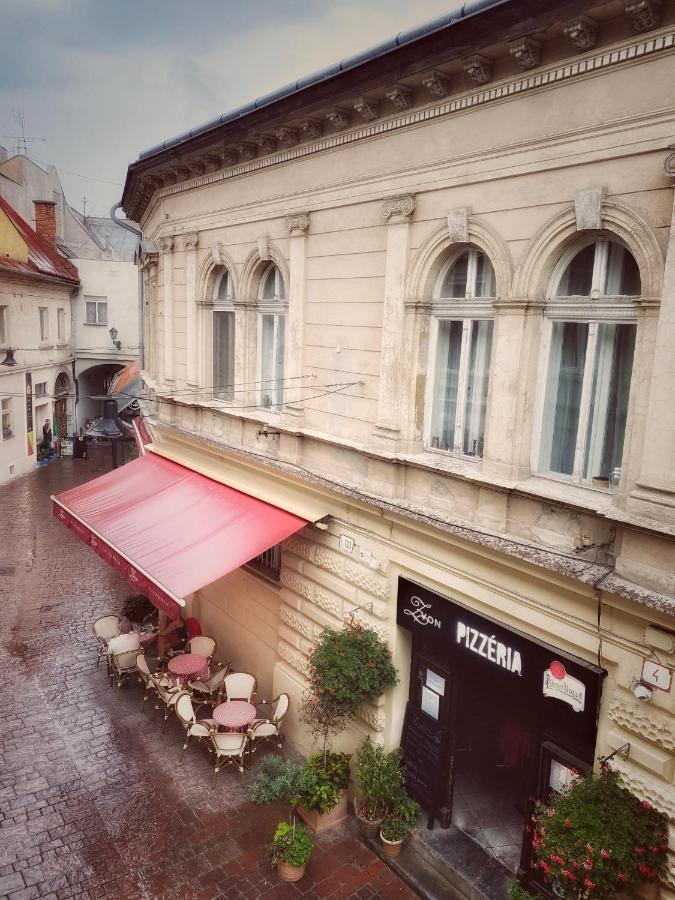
(380, 780)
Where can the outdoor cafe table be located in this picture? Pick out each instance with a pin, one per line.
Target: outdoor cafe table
(187, 666)
(234, 715)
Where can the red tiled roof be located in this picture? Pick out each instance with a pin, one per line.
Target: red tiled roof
(44, 260)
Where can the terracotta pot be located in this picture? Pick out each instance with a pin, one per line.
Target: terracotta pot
(391, 848)
(368, 829)
(319, 822)
(287, 872)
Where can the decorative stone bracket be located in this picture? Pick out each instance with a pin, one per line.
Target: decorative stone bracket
(398, 209)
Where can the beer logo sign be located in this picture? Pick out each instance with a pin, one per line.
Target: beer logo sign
(561, 686)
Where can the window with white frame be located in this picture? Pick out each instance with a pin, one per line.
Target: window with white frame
(271, 338)
(95, 311)
(7, 426)
(223, 338)
(60, 324)
(590, 341)
(461, 341)
(43, 313)
(3, 325)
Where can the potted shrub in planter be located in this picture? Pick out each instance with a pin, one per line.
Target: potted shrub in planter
(596, 840)
(290, 851)
(324, 801)
(380, 781)
(397, 824)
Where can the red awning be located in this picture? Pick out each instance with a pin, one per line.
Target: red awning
(170, 530)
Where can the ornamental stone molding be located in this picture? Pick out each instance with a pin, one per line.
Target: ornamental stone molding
(401, 96)
(458, 225)
(247, 150)
(169, 178)
(165, 243)
(527, 52)
(588, 209)
(669, 164)
(294, 658)
(582, 31)
(313, 128)
(263, 243)
(478, 68)
(288, 136)
(648, 725)
(230, 157)
(437, 84)
(338, 117)
(658, 793)
(214, 162)
(644, 14)
(197, 167)
(260, 255)
(298, 224)
(189, 241)
(215, 260)
(534, 271)
(367, 107)
(266, 142)
(301, 549)
(398, 209)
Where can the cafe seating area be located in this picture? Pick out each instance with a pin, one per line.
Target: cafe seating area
(216, 707)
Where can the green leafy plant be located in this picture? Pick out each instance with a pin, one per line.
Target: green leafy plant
(596, 840)
(380, 779)
(280, 779)
(291, 844)
(326, 780)
(516, 892)
(401, 818)
(349, 667)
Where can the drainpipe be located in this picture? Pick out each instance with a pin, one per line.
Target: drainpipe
(139, 234)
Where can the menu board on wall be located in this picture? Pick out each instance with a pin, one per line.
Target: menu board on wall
(30, 434)
(423, 744)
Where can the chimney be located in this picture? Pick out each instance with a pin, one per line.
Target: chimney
(45, 219)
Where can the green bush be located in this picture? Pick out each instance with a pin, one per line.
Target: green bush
(380, 779)
(400, 819)
(280, 779)
(516, 892)
(291, 844)
(326, 781)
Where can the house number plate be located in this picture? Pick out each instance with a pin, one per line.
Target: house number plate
(657, 676)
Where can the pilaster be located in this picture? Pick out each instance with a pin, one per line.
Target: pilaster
(166, 250)
(190, 244)
(297, 227)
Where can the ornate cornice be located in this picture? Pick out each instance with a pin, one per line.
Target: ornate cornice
(298, 224)
(644, 14)
(478, 68)
(527, 52)
(367, 108)
(338, 117)
(400, 95)
(437, 84)
(582, 31)
(313, 128)
(398, 209)
(247, 150)
(266, 142)
(288, 136)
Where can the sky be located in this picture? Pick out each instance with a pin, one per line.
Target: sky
(102, 80)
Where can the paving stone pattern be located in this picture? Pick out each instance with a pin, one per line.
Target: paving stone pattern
(96, 798)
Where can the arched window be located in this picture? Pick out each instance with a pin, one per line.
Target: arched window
(223, 337)
(271, 338)
(591, 334)
(461, 341)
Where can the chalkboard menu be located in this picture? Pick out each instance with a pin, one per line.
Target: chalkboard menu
(423, 743)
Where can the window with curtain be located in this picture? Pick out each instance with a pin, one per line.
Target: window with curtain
(591, 332)
(223, 338)
(271, 338)
(461, 350)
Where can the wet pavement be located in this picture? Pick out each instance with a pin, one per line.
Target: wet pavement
(96, 798)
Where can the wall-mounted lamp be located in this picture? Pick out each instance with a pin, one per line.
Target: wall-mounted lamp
(113, 337)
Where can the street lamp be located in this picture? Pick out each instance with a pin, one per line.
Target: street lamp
(113, 337)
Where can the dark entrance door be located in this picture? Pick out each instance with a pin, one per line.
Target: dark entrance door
(60, 419)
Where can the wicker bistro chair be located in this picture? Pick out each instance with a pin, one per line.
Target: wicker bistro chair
(269, 729)
(167, 693)
(105, 628)
(240, 686)
(229, 747)
(148, 679)
(202, 646)
(123, 666)
(194, 727)
(211, 689)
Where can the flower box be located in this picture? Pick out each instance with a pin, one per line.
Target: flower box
(319, 822)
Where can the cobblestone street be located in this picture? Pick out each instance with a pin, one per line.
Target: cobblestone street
(95, 797)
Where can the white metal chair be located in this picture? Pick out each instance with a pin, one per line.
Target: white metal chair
(202, 646)
(269, 729)
(105, 628)
(210, 690)
(167, 692)
(122, 666)
(194, 727)
(240, 686)
(229, 747)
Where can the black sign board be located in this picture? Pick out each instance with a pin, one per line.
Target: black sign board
(423, 743)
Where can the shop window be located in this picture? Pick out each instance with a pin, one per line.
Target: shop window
(3, 324)
(43, 314)
(271, 338)
(96, 311)
(591, 341)
(268, 564)
(7, 424)
(60, 324)
(461, 349)
(223, 338)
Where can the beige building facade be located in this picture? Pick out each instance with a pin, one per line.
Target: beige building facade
(430, 305)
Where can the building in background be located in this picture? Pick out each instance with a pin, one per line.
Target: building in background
(105, 322)
(37, 286)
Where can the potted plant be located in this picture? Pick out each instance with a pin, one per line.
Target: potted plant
(398, 823)
(380, 781)
(596, 840)
(324, 802)
(290, 851)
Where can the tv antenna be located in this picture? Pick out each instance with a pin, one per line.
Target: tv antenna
(21, 140)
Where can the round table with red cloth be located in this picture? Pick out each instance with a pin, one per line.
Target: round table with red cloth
(234, 714)
(187, 666)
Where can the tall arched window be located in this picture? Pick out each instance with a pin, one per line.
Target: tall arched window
(271, 338)
(591, 334)
(461, 343)
(223, 337)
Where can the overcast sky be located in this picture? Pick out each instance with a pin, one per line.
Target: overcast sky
(102, 80)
